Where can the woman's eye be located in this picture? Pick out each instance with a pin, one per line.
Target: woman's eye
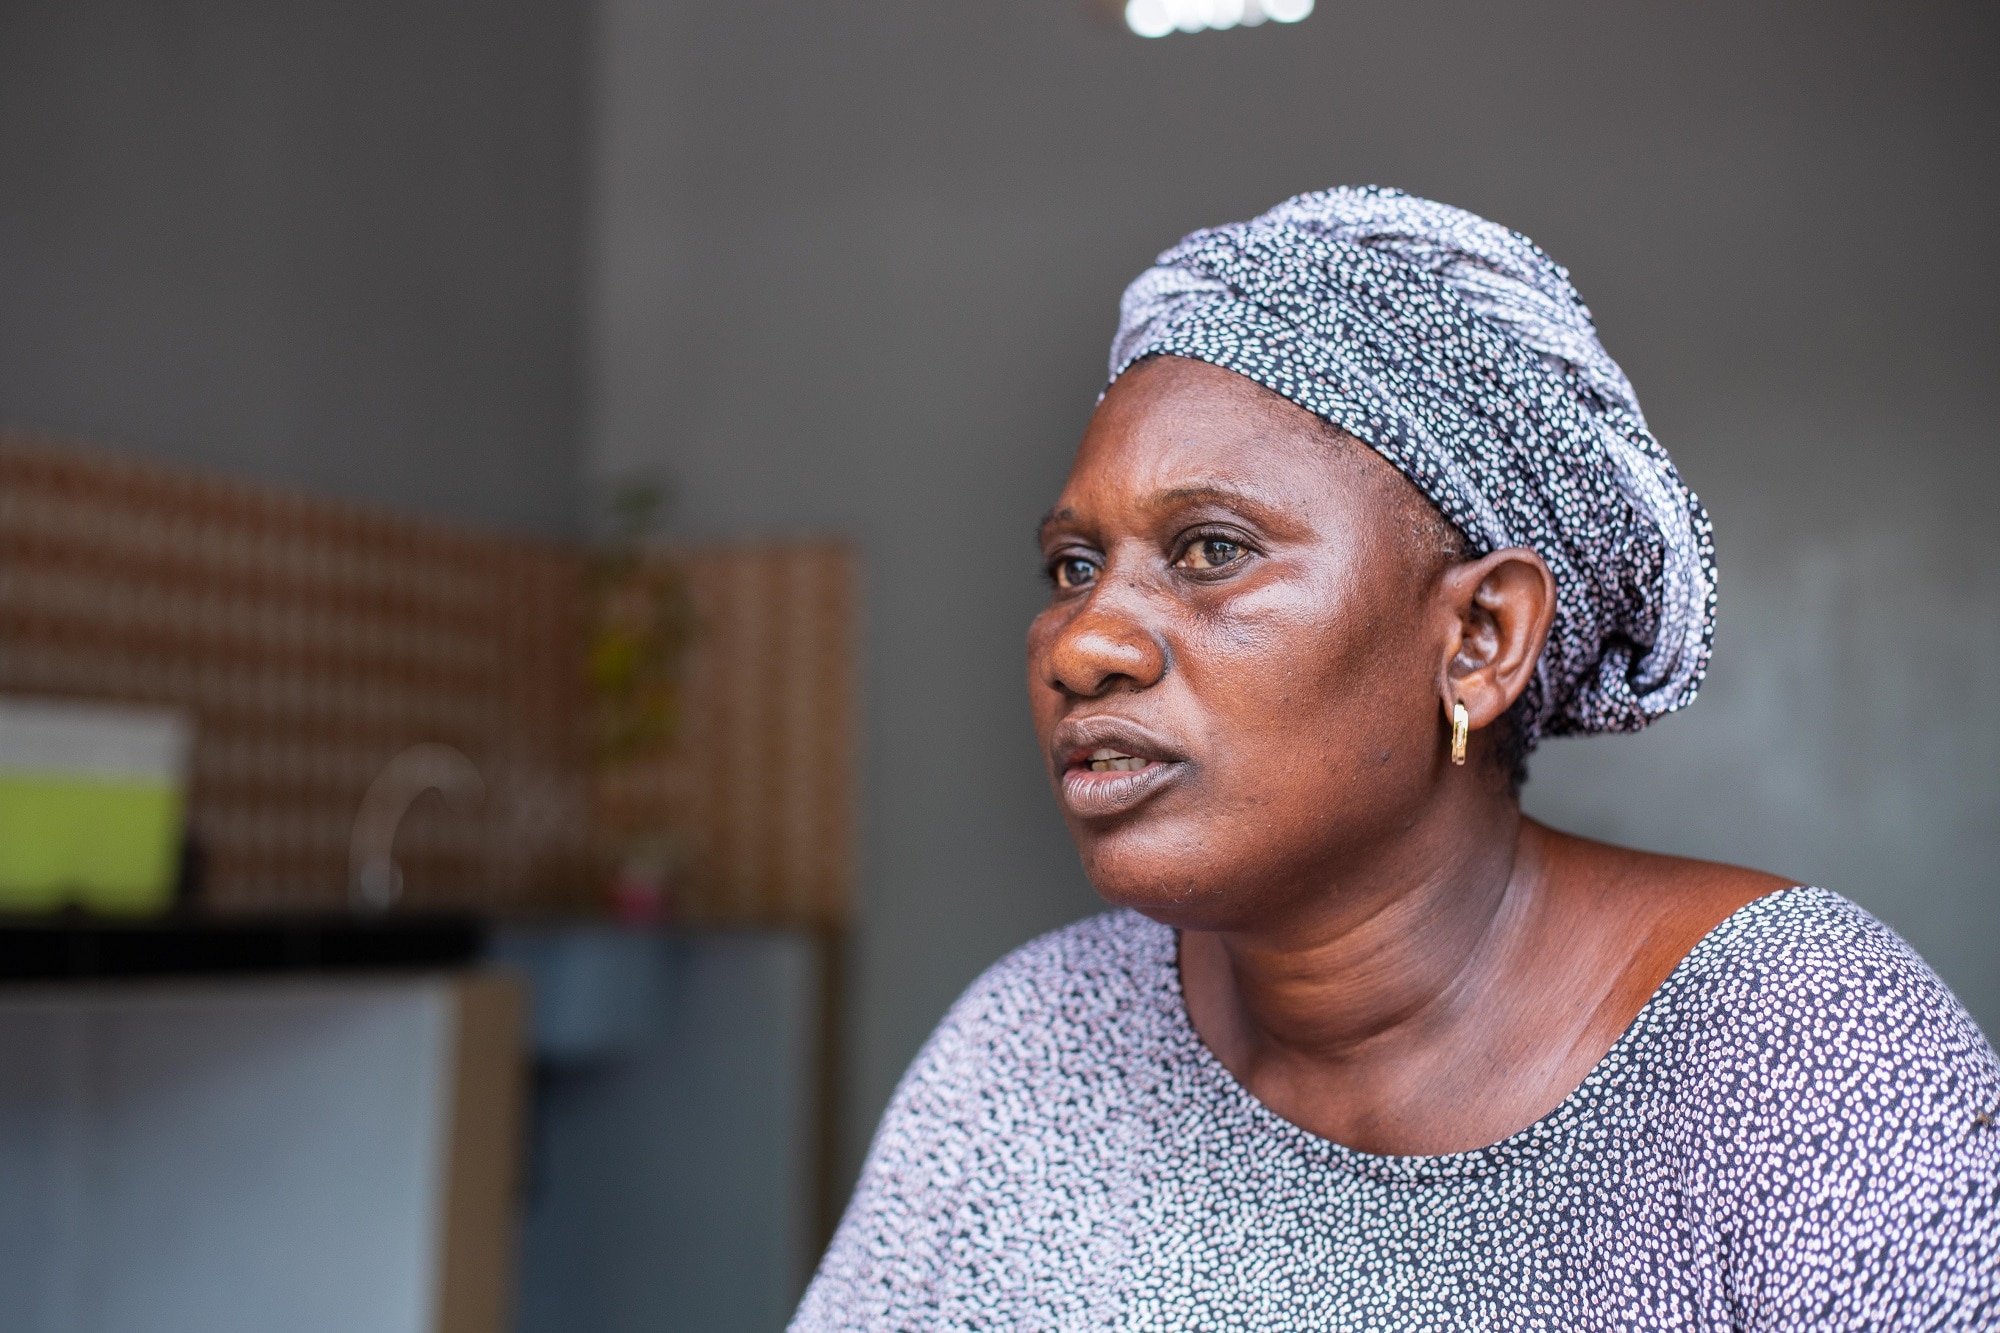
(1210, 553)
(1074, 571)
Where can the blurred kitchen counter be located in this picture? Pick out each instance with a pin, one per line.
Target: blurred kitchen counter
(85, 948)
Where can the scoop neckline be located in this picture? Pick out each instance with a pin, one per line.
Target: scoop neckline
(1523, 1144)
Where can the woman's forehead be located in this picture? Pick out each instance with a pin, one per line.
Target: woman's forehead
(1175, 432)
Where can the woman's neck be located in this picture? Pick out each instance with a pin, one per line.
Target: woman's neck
(1383, 958)
(1436, 1003)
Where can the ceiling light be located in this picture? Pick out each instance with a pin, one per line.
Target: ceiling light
(1157, 18)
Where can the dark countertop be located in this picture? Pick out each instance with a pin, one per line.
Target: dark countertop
(78, 948)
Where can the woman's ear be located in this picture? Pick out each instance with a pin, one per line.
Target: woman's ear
(1503, 605)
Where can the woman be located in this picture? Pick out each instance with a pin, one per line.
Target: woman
(1365, 512)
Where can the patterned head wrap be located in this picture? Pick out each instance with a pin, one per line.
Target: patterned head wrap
(1461, 353)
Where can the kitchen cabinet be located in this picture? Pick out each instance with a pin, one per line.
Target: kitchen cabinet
(313, 1151)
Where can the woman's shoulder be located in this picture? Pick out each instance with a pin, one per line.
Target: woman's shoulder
(1034, 1051)
(1834, 1107)
(1807, 949)
(1068, 1001)
(1742, 961)
(1803, 997)
(1095, 972)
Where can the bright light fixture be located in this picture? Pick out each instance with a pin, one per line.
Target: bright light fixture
(1157, 18)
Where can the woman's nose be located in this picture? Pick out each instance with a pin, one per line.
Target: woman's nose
(1103, 647)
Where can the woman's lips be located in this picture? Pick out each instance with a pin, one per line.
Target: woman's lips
(1109, 780)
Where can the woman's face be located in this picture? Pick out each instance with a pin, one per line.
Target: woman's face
(1236, 679)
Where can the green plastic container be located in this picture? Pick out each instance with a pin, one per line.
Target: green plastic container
(91, 805)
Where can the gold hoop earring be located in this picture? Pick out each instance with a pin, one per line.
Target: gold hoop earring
(1460, 725)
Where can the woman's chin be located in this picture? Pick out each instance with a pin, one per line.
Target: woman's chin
(1171, 887)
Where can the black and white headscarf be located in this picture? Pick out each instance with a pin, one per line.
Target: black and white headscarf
(1460, 352)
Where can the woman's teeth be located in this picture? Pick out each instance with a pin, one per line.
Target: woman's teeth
(1111, 761)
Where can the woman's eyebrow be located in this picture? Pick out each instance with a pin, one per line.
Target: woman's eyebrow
(1227, 497)
(1180, 497)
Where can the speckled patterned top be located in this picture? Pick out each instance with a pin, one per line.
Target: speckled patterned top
(1796, 1132)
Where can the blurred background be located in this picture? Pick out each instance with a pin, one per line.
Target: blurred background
(671, 389)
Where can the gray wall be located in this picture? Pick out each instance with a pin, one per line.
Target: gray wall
(854, 267)
(331, 244)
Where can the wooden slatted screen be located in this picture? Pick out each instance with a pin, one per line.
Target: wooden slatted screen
(760, 780)
(313, 641)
